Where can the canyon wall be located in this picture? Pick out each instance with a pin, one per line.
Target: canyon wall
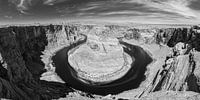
(27, 72)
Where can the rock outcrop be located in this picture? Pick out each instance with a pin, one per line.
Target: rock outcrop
(177, 73)
(20, 49)
(92, 58)
(26, 52)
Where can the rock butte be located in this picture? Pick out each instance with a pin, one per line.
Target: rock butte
(100, 59)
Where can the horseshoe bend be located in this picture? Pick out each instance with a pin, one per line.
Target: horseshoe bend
(100, 61)
(114, 71)
(95, 61)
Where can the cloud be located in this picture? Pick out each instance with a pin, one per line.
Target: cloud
(180, 7)
(52, 2)
(175, 6)
(145, 10)
(23, 5)
(137, 10)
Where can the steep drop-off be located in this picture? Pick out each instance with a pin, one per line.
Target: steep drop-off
(27, 71)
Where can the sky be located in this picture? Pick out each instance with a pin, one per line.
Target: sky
(136, 11)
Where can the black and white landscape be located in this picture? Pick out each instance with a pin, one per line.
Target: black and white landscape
(100, 49)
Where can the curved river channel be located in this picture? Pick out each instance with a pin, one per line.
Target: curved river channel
(131, 80)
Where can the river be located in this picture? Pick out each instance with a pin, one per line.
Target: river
(131, 80)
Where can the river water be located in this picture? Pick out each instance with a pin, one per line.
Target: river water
(131, 80)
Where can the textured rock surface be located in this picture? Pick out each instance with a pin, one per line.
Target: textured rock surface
(26, 54)
(20, 49)
(91, 60)
(172, 95)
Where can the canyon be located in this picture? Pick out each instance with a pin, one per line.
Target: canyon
(95, 61)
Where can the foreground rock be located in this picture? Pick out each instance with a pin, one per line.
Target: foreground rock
(172, 95)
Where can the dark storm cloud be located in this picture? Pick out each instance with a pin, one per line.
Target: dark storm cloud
(143, 10)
